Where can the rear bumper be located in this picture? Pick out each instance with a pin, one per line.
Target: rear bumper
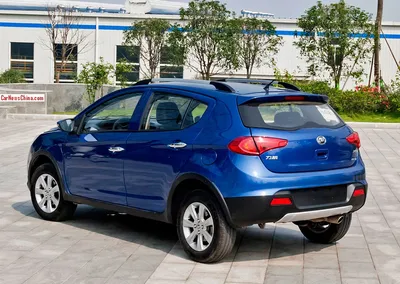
(246, 211)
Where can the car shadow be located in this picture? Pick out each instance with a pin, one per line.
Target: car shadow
(254, 245)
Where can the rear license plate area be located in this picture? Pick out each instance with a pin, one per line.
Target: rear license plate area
(321, 196)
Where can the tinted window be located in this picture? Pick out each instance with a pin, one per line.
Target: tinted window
(23, 51)
(293, 115)
(172, 112)
(66, 52)
(22, 56)
(114, 115)
(194, 113)
(129, 54)
(171, 72)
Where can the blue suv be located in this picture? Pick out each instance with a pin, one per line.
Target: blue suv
(209, 157)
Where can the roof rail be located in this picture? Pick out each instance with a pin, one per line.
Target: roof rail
(266, 83)
(218, 85)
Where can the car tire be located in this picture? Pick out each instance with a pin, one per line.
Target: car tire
(324, 233)
(194, 233)
(47, 197)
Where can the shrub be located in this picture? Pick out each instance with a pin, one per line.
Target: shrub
(11, 76)
(363, 99)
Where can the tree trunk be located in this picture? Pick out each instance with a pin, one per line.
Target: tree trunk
(248, 72)
(378, 26)
(337, 82)
(55, 69)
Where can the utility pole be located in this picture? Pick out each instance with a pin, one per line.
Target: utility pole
(377, 45)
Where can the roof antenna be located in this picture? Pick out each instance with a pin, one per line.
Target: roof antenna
(266, 88)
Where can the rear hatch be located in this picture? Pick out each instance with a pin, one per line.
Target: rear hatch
(298, 134)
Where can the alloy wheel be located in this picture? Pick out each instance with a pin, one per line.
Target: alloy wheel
(47, 193)
(198, 226)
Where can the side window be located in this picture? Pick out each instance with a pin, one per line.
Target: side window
(172, 112)
(194, 113)
(113, 115)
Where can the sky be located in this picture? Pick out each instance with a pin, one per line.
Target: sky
(295, 8)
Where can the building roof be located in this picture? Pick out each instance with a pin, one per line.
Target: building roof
(131, 6)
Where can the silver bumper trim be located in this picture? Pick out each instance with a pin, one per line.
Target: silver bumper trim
(316, 214)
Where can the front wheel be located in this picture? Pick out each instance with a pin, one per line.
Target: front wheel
(326, 233)
(203, 230)
(47, 197)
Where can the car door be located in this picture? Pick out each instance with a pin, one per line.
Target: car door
(94, 157)
(156, 153)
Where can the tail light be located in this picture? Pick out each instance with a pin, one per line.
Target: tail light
(358, 192)
(254, 146)
(281, 201)
(295, 98)
(354, 139)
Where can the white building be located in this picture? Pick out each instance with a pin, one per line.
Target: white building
(23, 39)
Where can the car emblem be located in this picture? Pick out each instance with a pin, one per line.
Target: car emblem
(321, 140)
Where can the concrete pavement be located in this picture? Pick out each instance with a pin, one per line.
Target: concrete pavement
(100, 247)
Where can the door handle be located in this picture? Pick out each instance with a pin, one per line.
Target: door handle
(116, 149)
(178, 145)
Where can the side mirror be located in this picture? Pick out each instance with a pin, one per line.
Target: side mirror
(66, 125)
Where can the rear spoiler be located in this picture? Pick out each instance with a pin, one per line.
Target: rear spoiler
(296, 97)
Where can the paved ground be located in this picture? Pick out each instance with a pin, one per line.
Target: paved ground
(98, 247)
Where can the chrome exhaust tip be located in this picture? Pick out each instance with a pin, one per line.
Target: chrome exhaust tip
(333, 219)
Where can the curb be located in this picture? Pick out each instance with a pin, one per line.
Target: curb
(37, 116)
(374, 125)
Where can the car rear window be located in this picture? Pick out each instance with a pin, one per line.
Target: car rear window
(289, 115)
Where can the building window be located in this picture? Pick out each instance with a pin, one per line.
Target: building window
(22, 59)
(129, 55)
(66, 62)
(167, 69)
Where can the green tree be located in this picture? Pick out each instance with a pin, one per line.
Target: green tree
(11, 76)
(256, 42)
(121, 70)
(337, 38)
(204, 41)
(95, 76)
(151, 35)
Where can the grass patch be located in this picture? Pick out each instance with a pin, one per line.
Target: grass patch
(66, 112)
(372, 117)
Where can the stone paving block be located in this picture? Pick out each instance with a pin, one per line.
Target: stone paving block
(328, 261)
(318, 276)
(359, 281)
(13, 278)
(247, 274)
(251, 259)
(140, 264)
(356, 255)
(285, 270)
(172, 271)
(357, 270)
(273, 279)
(206, 278)
(222, 268)
(85, 280)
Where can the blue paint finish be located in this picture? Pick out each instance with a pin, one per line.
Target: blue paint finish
(43, 26)
(91, 170)
(151, 167)
(113, 28)
(143, 175)
(124, 28)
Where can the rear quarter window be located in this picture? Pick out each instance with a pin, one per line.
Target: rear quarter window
(289, 115)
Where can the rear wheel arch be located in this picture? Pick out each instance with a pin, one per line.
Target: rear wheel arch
(188, 183)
